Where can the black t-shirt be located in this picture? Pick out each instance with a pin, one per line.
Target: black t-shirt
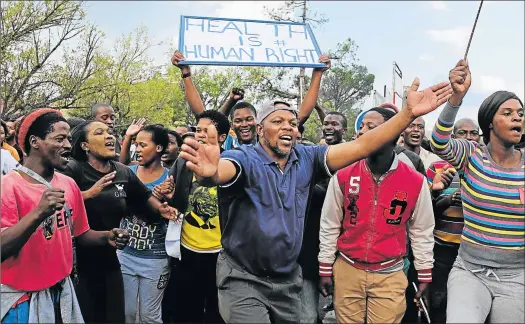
(127, 194)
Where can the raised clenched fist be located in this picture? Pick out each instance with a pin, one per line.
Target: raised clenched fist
(51, 201)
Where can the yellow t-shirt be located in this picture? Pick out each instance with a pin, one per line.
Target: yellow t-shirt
(11, 150)
(201, 231)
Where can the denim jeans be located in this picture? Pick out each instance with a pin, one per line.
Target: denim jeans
(18, 314)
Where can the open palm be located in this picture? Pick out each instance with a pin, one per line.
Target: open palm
(422, 102)
(202, 159)
(135, 127)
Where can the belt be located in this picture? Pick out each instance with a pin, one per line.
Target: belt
(371, 266)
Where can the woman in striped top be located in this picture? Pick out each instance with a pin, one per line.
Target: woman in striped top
(487, 280)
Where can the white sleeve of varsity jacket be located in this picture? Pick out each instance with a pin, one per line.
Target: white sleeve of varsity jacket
(421, 233)
(330, 229)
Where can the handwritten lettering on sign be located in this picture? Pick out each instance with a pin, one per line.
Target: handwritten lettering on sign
(224, 41)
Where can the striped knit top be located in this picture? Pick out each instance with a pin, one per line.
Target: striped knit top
(493, 199)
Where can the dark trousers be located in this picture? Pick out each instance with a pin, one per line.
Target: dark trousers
(169, 300)
(192, 292)
(101, 296)
(438, 292)
(444, 260)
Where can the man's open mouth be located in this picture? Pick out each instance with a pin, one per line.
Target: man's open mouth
(286, 139)
(66, 155)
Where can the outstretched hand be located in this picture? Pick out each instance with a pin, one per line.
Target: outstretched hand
(420, 103)
(202, 159)
(135, 127)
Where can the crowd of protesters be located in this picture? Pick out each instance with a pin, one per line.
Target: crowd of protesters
(240, 219)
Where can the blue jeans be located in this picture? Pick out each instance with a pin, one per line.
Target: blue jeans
(19, 314)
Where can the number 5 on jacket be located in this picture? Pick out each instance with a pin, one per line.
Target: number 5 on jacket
(354, 186)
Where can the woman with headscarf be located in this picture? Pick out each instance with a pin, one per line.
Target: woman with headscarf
(111, 191)
(487, 279)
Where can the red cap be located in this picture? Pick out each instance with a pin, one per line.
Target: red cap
(28, 121)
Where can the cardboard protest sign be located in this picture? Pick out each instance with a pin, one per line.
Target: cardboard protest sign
(224, 41)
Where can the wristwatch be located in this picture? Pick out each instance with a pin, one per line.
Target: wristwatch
(185, 75)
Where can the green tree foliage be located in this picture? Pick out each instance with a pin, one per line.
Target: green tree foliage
(39, 65)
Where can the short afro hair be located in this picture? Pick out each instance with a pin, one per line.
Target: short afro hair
(387, 114)
(389, 105)
(243, 105)
(96, 106)
(221, 121)
(336, 113)
(159, 136)
(177, 136)
(384, 111)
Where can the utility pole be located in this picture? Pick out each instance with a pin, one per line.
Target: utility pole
(301, 71)
(396, 70)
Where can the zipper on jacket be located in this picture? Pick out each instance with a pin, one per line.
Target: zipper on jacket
(371, 223)
(370, 231)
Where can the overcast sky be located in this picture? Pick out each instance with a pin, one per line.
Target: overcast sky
(426, 39)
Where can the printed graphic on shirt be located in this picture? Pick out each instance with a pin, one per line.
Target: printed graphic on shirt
(147, 237)
(48, 227)
(352, 208)
(163, 281)
(141, 234)
(62, 220)
(204, 206)
(398, 206)
(201, 229)
(120, 193)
